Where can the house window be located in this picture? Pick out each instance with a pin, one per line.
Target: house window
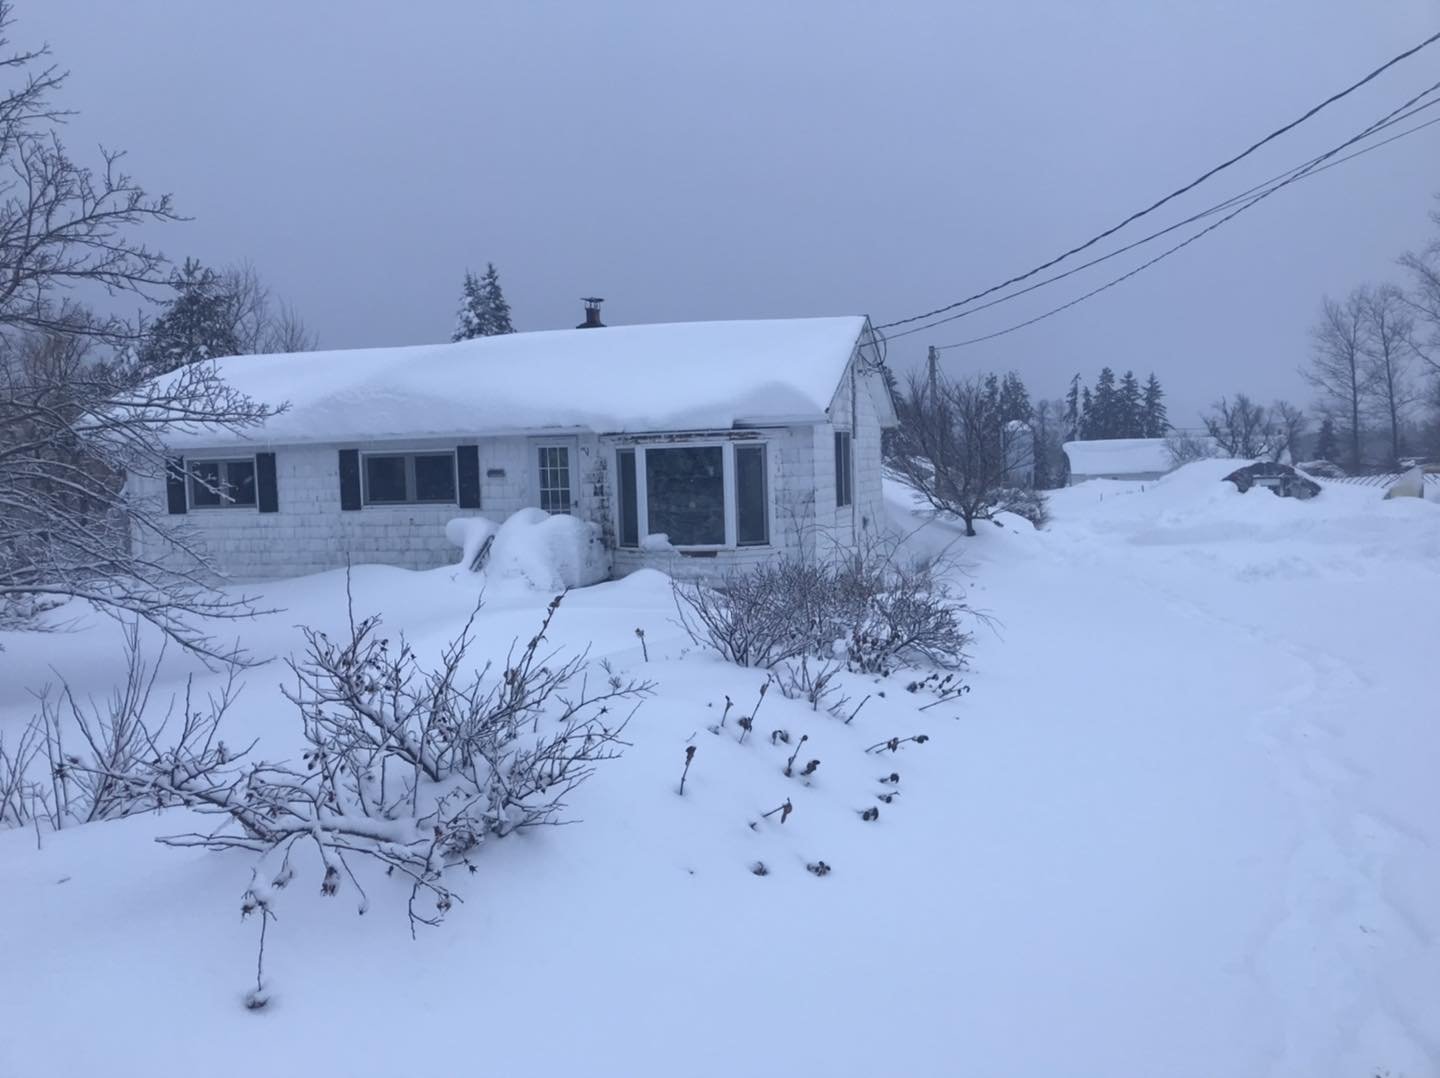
(554, 478)
(844, 470)
(409, 478)
(752, 502)
(700, 497)
(222, 484)
(629, 498)
(685, 492)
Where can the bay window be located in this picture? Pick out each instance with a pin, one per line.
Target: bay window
(704, 496)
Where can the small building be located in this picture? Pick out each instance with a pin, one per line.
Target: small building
(1137, 459)
(693, 447)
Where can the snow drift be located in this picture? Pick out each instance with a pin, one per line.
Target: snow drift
(545, 552)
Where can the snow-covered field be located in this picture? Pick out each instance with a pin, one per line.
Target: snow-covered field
(1187, 823)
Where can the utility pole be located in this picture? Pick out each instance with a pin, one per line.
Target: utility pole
(933, 362)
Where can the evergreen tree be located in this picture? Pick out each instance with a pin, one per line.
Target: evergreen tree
(1072, 410)
(197, 324)
(484, 311)
(1128, 419)
(1014, 400)
(1154, 420)
(1087, 413)
(1327, 445)
(470, 319)
(495, 303)
(1104, 407)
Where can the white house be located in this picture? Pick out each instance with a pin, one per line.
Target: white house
(694, 447)
(1118, 458)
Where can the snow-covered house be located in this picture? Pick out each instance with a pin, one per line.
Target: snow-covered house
(694, 447)
(1118, 458)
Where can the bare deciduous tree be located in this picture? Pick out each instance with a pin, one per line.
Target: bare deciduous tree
(1338, 368)
(1388, 345)
(1290, 425)
(71, 429)
(261, 323)
(951, 448)
(75, 424)
(1423, 297)
(64, 227)
(1244, 429)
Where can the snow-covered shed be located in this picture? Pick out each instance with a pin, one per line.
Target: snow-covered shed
(1118, 458)
(693, 447)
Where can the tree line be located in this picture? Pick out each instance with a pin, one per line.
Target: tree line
(1123, 409)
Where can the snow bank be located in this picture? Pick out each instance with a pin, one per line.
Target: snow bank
(548, 553)
(680, 376)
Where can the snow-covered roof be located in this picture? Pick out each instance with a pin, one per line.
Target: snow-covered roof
(676, 376)
(1118, 456)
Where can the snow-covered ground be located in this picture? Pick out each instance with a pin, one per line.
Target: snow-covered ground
(1187, 823)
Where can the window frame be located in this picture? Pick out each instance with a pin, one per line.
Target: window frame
(225, 502)
(538, 447)
(409, 456)
(844, 480)
(729, 478)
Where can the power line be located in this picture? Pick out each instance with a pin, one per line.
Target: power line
(1178, 191)
(1309, 170)
(1304, 171)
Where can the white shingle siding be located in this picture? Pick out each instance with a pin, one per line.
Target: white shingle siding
(311, 533)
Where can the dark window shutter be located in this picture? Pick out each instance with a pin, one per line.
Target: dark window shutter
(267, 496)
(349, 479)
(467, 468)
(175, 484)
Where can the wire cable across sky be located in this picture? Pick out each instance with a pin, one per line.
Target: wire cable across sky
(1209, 173)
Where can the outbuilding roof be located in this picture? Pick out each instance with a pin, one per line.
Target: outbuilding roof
(1118, 456)
(676, 376)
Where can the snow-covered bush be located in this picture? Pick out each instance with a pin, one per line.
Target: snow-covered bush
(898, 611)
(548, 553)
(876, 608)
(410, 766)
(1024, 502)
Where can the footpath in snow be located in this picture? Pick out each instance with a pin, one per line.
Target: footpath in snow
(1185, 824)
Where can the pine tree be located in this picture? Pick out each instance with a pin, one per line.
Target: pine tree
(484, 311)
(1128, 420)
(1087, 414)
(470, 319)
(496, 305)
(1153, 418)
(1104, 407)
(1327, 446)
(1072, 410)
(1014, 400)
(197, 324)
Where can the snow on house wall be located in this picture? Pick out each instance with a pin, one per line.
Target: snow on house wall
(311, 533)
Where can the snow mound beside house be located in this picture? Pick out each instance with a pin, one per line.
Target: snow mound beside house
(545, 552)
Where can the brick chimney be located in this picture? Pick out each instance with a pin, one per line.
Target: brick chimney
(592, 313)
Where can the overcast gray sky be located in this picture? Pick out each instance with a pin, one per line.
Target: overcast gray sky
(767, 159)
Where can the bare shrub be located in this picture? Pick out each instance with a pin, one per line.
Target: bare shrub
(760, 617)
(811, 680)
(906, 615)
(1024, 502)
(878, 607)
(408, 766)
